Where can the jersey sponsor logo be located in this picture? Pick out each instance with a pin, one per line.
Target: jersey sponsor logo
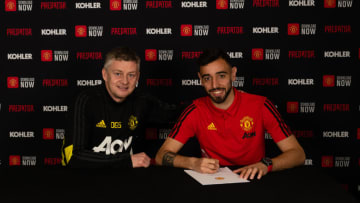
(101, 124)
(116, 125)
(133, 122)
(247, 123)
(113, 147)
(248, 135)
(211, 126)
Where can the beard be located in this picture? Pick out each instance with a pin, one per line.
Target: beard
(219, 100)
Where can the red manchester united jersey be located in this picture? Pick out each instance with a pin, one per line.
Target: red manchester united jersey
(234, 136)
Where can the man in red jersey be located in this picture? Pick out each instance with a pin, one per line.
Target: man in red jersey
(230, 127)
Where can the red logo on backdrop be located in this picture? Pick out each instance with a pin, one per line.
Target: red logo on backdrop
(293, 29)
(10, 5)
(329, 3)
(80, 31)
(292, 107)
(48, 134)
(14, 160)
(46, 55)
(257, 54)
(358, 133)
(328, 81)
(186, 30)
(151, 133)
(115, 5)
(222, 4)
(327, 161)
(150, 55)
(13, 82)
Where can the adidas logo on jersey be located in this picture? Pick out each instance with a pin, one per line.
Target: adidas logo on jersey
(211, 126)
(101, 124)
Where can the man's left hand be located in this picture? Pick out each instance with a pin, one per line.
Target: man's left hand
(258, 169)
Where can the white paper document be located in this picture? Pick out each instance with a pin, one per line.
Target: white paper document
(223, 176)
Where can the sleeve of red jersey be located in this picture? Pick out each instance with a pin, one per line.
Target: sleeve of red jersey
(184, 128)
(274, 124)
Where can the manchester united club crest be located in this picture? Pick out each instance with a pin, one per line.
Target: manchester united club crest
(133, 122)
(247, 123)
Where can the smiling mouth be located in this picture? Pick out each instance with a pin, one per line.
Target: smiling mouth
(217, 91)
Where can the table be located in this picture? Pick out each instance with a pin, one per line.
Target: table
(164, 184)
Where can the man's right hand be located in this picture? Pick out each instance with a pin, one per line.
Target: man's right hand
(206, 165)
(140, 160)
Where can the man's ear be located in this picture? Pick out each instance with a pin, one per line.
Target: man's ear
(104, 75)
(233, 73)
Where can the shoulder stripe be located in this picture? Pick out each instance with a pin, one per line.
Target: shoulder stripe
(181, 119)
(277, 115)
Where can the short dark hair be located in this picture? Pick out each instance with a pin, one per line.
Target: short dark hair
(121, 54)
(211, 54)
